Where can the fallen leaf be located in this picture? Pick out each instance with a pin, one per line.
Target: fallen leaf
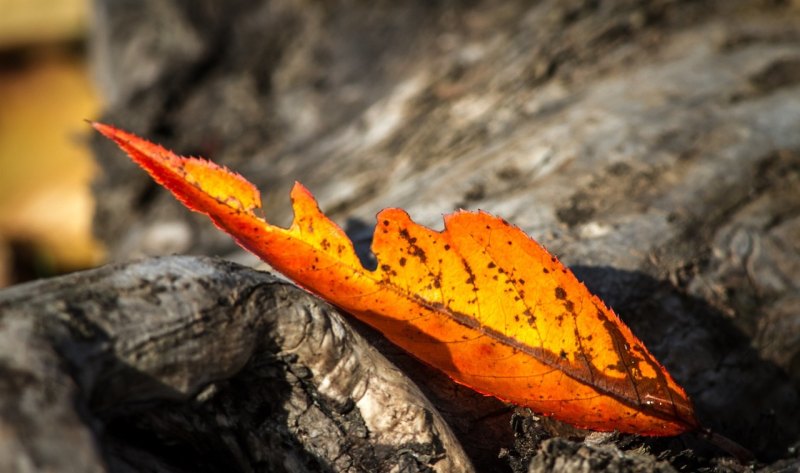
(480, 300)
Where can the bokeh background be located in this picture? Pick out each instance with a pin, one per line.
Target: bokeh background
(45, 162)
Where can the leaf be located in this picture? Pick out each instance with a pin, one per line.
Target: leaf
(480, 300)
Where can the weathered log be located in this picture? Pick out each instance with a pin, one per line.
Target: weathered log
(193, 364)
(653, 146)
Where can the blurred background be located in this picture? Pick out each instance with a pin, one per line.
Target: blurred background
(45, 162)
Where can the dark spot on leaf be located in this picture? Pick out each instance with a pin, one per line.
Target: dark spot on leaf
(471, 279)
(418, 252)
(530, 317)
(545, 270)
(561, 294)
(491, 265)
(402, 261)
(562, 354)
(413, 249)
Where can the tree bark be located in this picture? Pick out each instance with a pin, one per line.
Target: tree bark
(193, 364)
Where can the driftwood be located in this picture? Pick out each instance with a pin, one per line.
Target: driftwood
(187, 364)
(653, 146)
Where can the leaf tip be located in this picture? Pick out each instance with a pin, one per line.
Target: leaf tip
(110, 131)
(300, 191)
(106, 130)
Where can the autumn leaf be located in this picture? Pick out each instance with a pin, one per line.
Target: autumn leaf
(480, 300)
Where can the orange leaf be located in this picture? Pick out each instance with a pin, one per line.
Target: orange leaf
(481, 300)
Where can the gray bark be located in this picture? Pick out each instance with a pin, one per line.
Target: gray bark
(653, 146)
(191, 364)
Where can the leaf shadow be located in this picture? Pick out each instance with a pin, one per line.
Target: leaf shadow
(736, 392)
